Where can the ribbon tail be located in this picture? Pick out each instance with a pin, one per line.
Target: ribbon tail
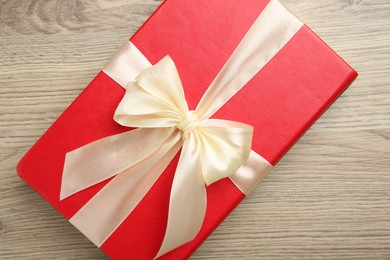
(104, 158)
(188, 201)
(103, 214)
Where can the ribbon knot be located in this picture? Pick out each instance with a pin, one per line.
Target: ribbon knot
(189, 122)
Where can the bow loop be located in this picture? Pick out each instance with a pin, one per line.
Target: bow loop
(225, 146)
(155, 99)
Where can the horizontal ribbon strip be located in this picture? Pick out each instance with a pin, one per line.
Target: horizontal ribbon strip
(168, 120)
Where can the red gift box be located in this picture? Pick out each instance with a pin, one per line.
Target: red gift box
(281, 102)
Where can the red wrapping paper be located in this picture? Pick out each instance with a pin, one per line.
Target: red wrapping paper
(281, 102)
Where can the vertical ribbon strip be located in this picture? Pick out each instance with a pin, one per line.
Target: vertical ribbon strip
(211, 149)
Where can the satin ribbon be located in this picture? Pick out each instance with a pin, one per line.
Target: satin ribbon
(211, 149)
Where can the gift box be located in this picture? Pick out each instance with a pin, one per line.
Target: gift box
(146, 169)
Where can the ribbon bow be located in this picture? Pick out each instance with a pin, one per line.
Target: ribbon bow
(211, 149)
(156, 99)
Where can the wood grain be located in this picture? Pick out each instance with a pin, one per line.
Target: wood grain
(329, 198)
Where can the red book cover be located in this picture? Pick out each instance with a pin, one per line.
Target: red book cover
(281, 102)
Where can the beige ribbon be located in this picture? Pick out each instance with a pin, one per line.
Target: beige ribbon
(211, 149)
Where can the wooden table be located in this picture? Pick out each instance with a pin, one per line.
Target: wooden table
(329, 198)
